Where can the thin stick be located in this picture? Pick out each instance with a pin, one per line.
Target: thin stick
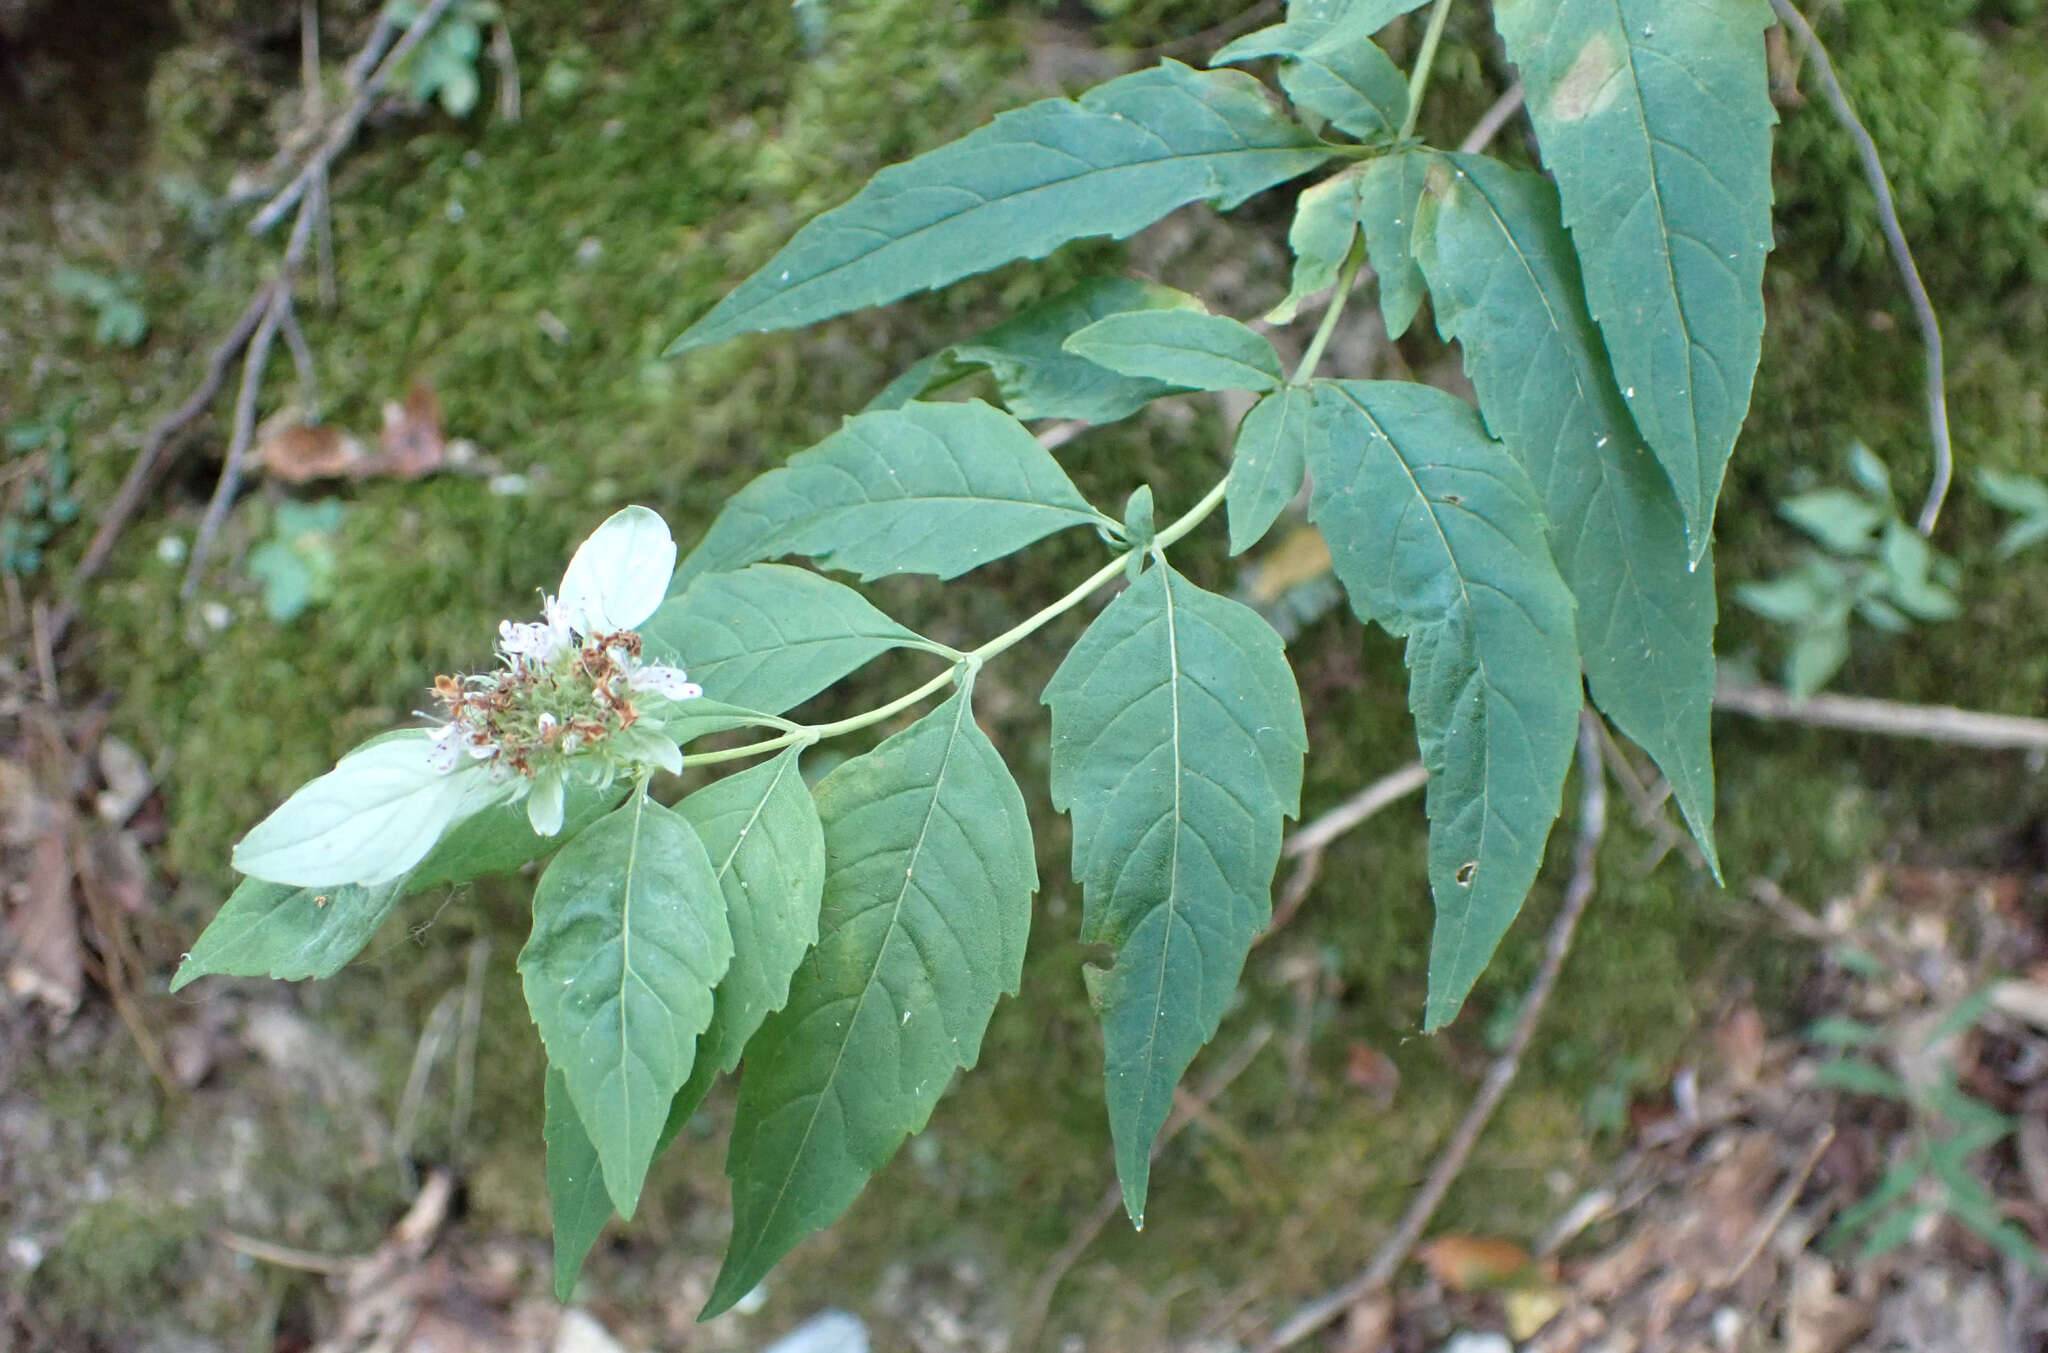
(351, 119)
(1780, 1206)
(253, 363)
(1186, 1109)
(1902, 256)
(1309, 843)
(1492, 120)
(1936, 723)
(154, 454)
(508, 71)
(1391, 1255)
(466, 1035)
(360, 66)
(302, 357)
(283, 1256)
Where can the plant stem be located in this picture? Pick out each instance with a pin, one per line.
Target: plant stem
(971, 662)
(1348, 276)
(1418, 79)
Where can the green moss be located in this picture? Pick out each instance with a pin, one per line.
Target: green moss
(118, 1264)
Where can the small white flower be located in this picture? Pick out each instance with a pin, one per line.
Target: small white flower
(670, 683)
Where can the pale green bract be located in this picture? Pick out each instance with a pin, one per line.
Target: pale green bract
(1656, 120)
(927, 902)
(1507, 288)
(1177, 744)
(1437, 534)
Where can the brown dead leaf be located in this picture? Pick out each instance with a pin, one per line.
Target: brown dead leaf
(1818, 1318)
(294, 451)
(1474, 1263)
(1740, 1041)
(413, 439)
(48, 963)
(1368, 1069)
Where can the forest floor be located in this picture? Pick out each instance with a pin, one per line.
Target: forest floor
(1807, 1111)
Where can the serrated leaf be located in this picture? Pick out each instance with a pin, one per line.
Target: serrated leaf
(577, 1200)
(1177, 745)
(284, 931)
(1436, 533)
(1507, 289)
(767, 845)
(1110, 163)
(1389, 195)
(1325, 227)
(1655, 119)
(1267, 464)
(1331, 68)
(928, 883)
(629, 937)
(769, 637)
(1185, 348)
(928, 488)
(1038, 378)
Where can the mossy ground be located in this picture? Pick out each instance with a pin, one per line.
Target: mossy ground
(533, 272)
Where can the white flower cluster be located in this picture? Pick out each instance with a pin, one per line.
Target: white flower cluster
(565, 704)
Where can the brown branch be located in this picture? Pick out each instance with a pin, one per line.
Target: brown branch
(1391, 1255)
(244, 433)
(1902, 256)
(1187, 1108)
(1936, 723)
(351, 120)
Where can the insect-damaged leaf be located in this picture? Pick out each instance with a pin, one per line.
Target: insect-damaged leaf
(1507, 289)
(1109, 163)
(927, 488)
(1177, 745)
(1436, 533)
(928, 883)
(629, 937)
(1655, 119)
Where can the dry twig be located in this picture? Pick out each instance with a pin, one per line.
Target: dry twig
(1309, 843)
(1902, 256)
(1492, 120)
(1390, 1256)
(1936, 723)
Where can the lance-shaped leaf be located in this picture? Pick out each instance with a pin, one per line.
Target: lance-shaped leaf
(1436, 533)
(1330, 67)
(927, 488)
(629, 937)
(769, 637)
(1380, 196)
(1267, 464)
(928, 882)
(1324, 229)
(288, 932)
(576, 1195)
(768, 847)
(1039, 378)
(1507, 289)
(1177, 746)
(1181, 347)
(1655, 119)
(1110, 163)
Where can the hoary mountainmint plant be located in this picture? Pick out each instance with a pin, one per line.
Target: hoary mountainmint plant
(847, 941)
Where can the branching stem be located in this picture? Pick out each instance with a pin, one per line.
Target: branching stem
(972, 661)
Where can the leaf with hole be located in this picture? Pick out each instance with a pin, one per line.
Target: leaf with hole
(927, 901)
(928, 488)
(629, 937)
(1177, 745)
(1437, 534)
(1655, 120)
(1109, 163)
(1507, 289)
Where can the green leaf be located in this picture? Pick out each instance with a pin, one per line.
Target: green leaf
(1039, 378)
(2014, 492)
(769, 637)
(928, 883)
(1331, 68)
(1389, 195)
(1436, 533)
(768, 848)
(287, 932)
(1655, 119)
(1507, 289)
(928, 488)
(629, 937)
(1177, 746)
(1110, 163)
(1840, 520)
(1373, 14)
(501, 838)
(1908, 561)
(1325, 227)
(1267, 464)
(1181, 347)
(576, 1194)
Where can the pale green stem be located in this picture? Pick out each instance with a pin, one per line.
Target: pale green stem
(1418, 78)
(1345, 280)
(972, 661)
